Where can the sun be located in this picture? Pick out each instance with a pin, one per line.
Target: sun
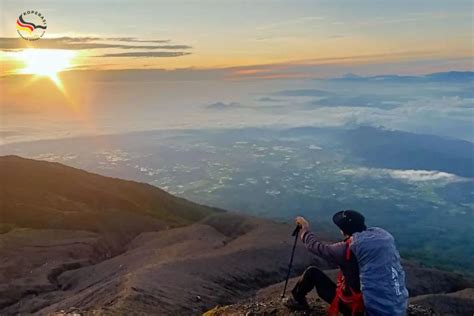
(46, 62)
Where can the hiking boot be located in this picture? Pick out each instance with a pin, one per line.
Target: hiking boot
(294, 304)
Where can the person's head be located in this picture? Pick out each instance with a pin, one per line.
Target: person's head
(349, 222)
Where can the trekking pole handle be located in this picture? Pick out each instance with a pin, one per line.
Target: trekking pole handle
(297, 230)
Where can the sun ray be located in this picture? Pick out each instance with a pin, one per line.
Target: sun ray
(46, 63)
(57, 82)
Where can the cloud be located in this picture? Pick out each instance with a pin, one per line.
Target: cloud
(303, 93)
(268, 99)
(136, 40)
(147, 75)
(445, 77)
(224, 106)
(408, 61)
(370, 101)
(80, 43)
(287, 23)
(424, 175)
(146, 54)
(410, 176)
(382, 21)
(463, 93)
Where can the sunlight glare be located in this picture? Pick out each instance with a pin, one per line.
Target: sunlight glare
(46, 62)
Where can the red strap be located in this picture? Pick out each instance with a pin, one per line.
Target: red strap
(334, 307)
(354, 301)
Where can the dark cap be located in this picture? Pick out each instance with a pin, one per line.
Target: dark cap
(349, 221)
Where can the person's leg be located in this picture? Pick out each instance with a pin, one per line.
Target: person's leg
(311, 278)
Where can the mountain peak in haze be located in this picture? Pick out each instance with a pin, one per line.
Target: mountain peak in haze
(350, 75)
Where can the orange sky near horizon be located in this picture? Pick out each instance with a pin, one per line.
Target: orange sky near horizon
(67, 72)
(232, 34)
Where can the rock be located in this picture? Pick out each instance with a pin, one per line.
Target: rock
(275, 308)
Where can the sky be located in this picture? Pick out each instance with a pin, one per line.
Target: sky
(126, 65)
(224, 34)
(118, 67)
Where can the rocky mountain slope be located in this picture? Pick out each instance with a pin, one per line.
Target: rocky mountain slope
(75, 241)
(40, 194)
(267, 301)
(273, 306)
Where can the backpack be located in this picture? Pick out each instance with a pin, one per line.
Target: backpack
(382, 279)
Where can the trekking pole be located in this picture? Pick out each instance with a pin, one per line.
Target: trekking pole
(295, 233)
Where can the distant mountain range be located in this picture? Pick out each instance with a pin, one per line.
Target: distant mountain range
(385, 148)
(450, 76)
(403, 150)
(74, 241)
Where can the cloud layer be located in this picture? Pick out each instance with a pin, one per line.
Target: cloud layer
(224, 106)
(411, 176)
(146, 54)
(154, 48)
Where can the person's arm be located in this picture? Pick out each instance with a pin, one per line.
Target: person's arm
(333, 253)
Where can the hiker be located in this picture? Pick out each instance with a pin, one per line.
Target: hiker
(371, 280)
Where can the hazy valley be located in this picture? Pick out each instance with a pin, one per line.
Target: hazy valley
(101, 245)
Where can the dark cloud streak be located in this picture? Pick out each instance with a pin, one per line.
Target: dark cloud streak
(146, 54)
(223, 106)
(80, 43)
(136, 40)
